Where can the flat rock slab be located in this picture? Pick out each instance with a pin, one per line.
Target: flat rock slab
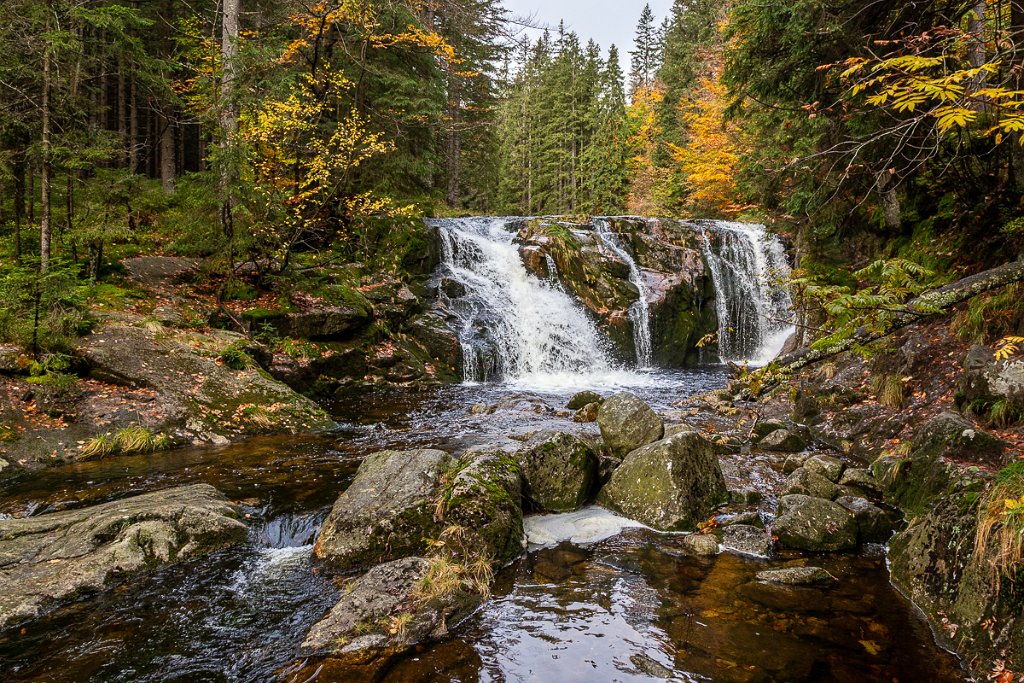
(796, 576)
(53, 558)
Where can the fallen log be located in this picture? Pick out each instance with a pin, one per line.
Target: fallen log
(932, 303)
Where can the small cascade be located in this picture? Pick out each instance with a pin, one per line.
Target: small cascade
(639, 312)
(511, 324)
(748, 266)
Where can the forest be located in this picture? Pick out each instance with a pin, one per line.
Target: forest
(269, 253)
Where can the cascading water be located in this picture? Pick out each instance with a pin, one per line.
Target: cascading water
(748, 266)
(512, 325)
(640, 311)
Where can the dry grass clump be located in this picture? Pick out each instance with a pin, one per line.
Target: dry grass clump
(130, 440)
(999, 543)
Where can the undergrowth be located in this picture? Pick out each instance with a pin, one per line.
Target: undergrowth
(999, 543)
(131, 440)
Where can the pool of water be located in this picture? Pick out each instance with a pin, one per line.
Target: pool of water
(628, 608)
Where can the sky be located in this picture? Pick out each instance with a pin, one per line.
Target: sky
(606, 21)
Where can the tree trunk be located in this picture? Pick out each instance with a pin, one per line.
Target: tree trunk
(47, 144)
(19, 201)
(943, 299)
(133, 128)
(229, 114)
(95, 259)
(168, 173)
(454, 139)
(122, 111)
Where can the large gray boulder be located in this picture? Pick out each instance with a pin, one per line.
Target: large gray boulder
(671, 484)
(385, 612)
(782, 441)
(560, 470)
(387, 511)
(815, 524)
(56, 557)
(627, 423)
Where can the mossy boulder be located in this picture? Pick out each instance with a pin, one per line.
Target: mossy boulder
(627, 423)
(560, 471)
(815, 524)
(386, 513)
(672, 484)
(953, 437)
(584, 398)
(782, 441)
(827, 466)
(60, 556)
(482, 494)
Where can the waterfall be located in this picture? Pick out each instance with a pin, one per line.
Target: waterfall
(511, 324)
(748, 266)
(639, 312)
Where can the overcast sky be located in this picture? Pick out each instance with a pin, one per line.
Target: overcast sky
(606, 21)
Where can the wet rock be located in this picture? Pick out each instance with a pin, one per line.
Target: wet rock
(809, 483)
(584, 398)
(796, 576)
(651, 667)
(794, 462)
(453, 289)
(749, 517)
(747, 539)
(860, 481)
(825, 465)
(560, 471)
(386, 512)
(670, 485)
(484, 497)
(439, 342)
(672, 430)
(478, 409)
(56, 557)
(627, 423)
(747, 496)
(987, 381)
(702, 545)
(815, 524)
(874, 525)
(782, 441)
(385, 612)
(766, 427)
(587, 413)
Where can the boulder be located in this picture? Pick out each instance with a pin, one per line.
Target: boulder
(809, 483)
(702, 545)
(671, 484)
(953, 437)
(584, 398)
(57, 557)
(387, 511)
(387, 611)
(766, 427)
(560, 471)
(627, 423)
(988, 381)
(827, 466)
(794, 462)
(815, 524)
(874, 525)
(483, 498)
(860, 481)
(796, 576)
(747, 539)
(782, 441)
(587, 413)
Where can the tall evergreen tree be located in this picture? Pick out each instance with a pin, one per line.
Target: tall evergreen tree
(646, 52)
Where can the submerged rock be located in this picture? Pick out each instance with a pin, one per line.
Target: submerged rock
(670, 485)
(560, 470)
(627, 423)
(702, 545)
(387, 512)
(747, 539)
(796, 576)
(815, 524)
(387, 611)
(56, 557)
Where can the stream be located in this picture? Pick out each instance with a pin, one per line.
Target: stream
(629, 608)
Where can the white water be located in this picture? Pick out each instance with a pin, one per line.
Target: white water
(639, 312)
(749, 269)
(512, 325)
